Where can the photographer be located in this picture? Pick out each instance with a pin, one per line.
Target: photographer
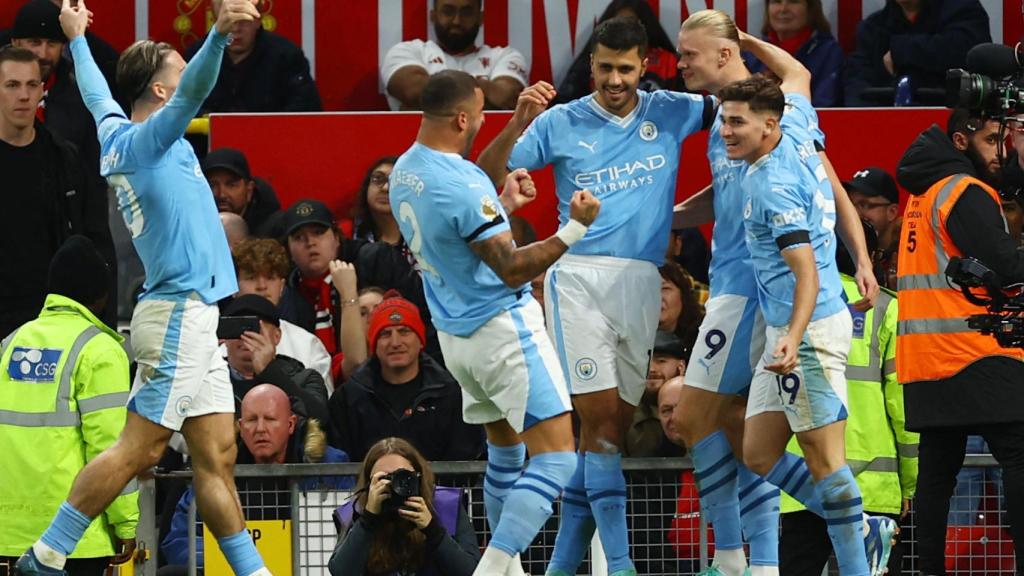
(399, 524)
(956, 381)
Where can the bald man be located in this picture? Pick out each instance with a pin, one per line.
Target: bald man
(235, 228)
(267, 423)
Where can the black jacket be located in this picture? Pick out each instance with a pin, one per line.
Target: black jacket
(262, 209)
(923, 50)
(991, 389)
(81, 208)
(304, 386)
(274, 78)
(434, 425)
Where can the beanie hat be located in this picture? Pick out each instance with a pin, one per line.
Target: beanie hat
(38, 19)
(77, 271)
(395, 311)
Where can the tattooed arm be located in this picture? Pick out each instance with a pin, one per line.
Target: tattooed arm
(518, 265)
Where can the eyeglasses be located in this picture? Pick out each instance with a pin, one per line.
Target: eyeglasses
(379, 179)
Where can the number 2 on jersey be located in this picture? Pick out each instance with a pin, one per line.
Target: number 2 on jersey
(406, 214)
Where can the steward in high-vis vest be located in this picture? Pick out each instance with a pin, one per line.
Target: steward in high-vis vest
(63, 389)
(879, 450)
(955, 381)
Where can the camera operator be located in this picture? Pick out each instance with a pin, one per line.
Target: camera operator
(957, 381)
(402, 523)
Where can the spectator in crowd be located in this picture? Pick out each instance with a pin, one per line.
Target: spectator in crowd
(49, 195)
(426, 534)
(880, 451)
(270, 434)
(369, 298)
(1012, 187)
(261, 72)
(236, 191)
(501, 72)
(661, 72)
(688, 248)
(916, 39)
(314, 298)
(235, 228)
(402, 392)
(800, 28)
(314, 240)
(262, 268)
(681, 314)
(253, 359)
(374, 220)
(874, 194)
(645, 438)
(956, 382)
(66, 362)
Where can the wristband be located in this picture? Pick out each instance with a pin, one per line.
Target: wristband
(571, 233)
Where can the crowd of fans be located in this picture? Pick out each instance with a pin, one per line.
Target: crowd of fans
(345, 364)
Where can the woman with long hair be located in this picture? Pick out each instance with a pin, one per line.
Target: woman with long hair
(393, 533)
(374, 219)
(800, 28)
(662, 72)
(681, 312)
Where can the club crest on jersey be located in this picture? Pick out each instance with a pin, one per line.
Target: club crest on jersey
(748, 209)
(488, 208)
(586, 369)
(648, 131)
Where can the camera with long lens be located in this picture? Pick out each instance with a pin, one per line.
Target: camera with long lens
(1005, 318)
(404, 485)
(992, 84)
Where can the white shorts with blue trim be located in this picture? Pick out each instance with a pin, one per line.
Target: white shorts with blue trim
(181, 373)
(728, 346)
(602, 315)
(814, 394)
(507, 369)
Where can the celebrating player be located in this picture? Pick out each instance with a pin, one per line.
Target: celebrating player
(182, 381)
(603, 297)
(490, 328)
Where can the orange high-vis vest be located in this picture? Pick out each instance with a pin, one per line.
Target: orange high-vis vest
(933, 341)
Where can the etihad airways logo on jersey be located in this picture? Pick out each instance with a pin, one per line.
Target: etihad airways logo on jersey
(628, 175)
(109, 160)
(724, 170)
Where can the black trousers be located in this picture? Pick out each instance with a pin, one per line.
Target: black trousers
(941, 456)
(74, 567)
(804, 545)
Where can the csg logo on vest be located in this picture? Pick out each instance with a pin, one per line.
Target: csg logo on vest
(33, 364)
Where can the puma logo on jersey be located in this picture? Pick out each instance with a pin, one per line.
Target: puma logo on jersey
(588, 146)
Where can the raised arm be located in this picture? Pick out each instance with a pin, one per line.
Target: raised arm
(851, 232)
(795, 78)
(531, 103)
(518, 265)
(91, 83)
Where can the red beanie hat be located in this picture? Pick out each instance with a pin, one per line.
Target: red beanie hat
(395, 311)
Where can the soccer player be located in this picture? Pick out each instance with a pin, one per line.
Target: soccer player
(603, 297)
(182, 381)
(731, 337)
(799, 384)
(490, 328)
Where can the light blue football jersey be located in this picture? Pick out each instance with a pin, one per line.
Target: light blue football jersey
(788, 191)
(731, 271)
(162, 194)
(629, 163)
(444, 202)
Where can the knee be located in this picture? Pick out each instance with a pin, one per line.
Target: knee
(758, 463)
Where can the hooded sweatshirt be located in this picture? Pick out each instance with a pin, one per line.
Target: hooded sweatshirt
(991, 389)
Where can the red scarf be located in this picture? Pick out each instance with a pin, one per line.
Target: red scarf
(47, 86)
(317, 291)
(793, 44)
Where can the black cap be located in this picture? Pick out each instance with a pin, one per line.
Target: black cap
(254, 305)
(227, 159)
(307, 212)
(38, 19)
(668, 344)
(78, 271)
(874, 181)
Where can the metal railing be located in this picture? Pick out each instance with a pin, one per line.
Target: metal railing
(663, 541)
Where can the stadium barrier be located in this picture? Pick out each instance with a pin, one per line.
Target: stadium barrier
(664, 540)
